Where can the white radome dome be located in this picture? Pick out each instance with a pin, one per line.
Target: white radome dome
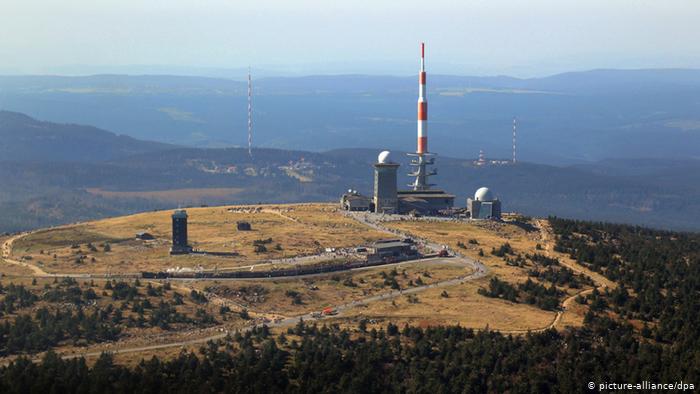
(483, 194)
(384, 157)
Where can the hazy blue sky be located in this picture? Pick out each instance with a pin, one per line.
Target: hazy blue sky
(523, 38)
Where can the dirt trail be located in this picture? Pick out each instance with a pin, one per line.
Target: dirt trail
(7, 254)
(548, 240)
(279, 213)
(478, 271)
(601, 282)
(292, 320)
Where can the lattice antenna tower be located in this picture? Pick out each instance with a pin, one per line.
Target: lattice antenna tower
(515, 129)
(250, 115)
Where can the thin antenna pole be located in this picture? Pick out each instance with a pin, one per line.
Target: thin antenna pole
(250, 115)
(515, 128)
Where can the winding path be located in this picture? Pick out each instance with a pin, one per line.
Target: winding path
(601, 282)
(7, 254)
(545, 231)
(288, 321)
(478, 270)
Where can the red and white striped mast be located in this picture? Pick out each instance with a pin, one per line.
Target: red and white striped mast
(422, 106)
(422, 161)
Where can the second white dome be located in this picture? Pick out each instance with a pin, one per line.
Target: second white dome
(483, 194)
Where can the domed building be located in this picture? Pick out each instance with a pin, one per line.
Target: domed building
(387, 198)
(385, 194)
(484, 205)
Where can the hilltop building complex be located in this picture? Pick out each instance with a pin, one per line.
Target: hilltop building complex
(420, 198)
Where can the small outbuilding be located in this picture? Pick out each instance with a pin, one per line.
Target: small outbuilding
(391, 248)
(354, 201)
(243, 226)
(144, 236)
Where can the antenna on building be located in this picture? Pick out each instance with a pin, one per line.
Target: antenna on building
(515, 128)
(482, 158)
(250, 115)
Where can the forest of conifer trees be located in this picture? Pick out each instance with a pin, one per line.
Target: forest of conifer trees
(644, 330)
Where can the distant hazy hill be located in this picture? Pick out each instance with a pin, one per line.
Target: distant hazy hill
(564, 119)
(582, 82)
(26, 139)
(58, 190)
(619, 82)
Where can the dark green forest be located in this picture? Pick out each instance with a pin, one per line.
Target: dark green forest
(644, 330)
(658, 273)
(45, 328)
(327, 359)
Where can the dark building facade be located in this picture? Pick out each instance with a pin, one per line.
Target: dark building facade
(354, 201)
(424, 202)
(180, 243)
(385, 198)
(243, 226)
(391, 249)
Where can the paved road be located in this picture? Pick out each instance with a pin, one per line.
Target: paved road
(40, 273)
(479, 272)
(375, 222)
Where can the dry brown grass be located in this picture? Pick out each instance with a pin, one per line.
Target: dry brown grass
(131, 360)
(488, 235)
(7, 269)
(463, 306)
(573, 314)
(329, 290)
(298, 229)
(304, 229)
(480, 310)
(566, 260)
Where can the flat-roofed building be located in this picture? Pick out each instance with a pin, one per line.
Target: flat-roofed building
(424, 202)
(354, 201)
(391, 248)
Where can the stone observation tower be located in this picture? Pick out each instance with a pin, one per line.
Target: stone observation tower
(180, 245)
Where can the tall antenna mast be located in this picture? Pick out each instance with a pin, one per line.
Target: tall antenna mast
(515, 128)
(422, 156)
(250, 115)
